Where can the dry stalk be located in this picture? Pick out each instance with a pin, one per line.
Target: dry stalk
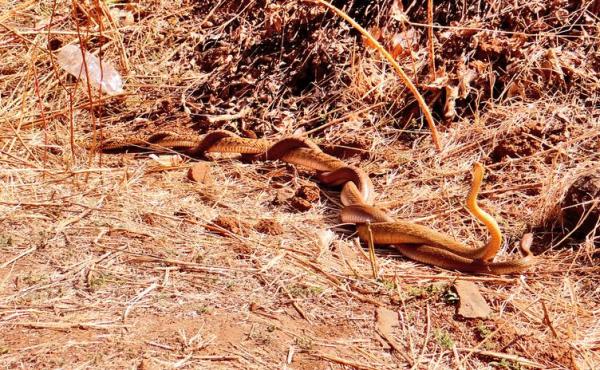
(430, 39)
(343, 361)
(403, 76)
(372, 256)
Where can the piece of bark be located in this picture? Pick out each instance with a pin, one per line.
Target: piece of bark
(472, 305)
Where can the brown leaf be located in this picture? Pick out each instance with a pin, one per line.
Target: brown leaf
(450, 105)
(469, 29)
(516, 88)
(376, 33)
(397, 12)
(465, 76)
(472, 304)
(440, 82)
(403, 42)
(552, 66)
(489, 42)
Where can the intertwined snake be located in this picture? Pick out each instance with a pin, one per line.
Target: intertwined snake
(414, 241)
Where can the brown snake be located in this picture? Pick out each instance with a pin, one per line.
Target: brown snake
(414, 241)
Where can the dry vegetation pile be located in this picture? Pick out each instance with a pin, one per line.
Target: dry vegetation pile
(120, 260)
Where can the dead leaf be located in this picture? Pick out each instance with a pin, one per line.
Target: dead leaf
(439, 83)
(123, 17)
(489, 42)
(539, 26)
(480, 66)
(450, 105)
(403, 42)
(300, 131)
(552, 67)
(324, 237)
(516, 88)
(465, 77)
(469, 29)
(376, 33)
(397, 12)
(472, 305)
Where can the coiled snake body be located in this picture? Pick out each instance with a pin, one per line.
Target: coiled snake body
(414, 241)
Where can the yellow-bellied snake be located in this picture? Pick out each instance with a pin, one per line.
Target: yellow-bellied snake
(414, 241)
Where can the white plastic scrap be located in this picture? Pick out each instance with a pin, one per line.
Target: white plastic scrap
(107, 77)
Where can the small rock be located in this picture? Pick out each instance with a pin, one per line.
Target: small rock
(200, 172)
(387, 320)
(472, 305)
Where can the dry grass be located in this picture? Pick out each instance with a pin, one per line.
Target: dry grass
(113, 261)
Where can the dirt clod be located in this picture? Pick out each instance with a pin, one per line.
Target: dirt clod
(526, 141)
(581, 206)
(300, 204)
(231, 224)
(305, 198)
(270, 227)
(309, 192)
